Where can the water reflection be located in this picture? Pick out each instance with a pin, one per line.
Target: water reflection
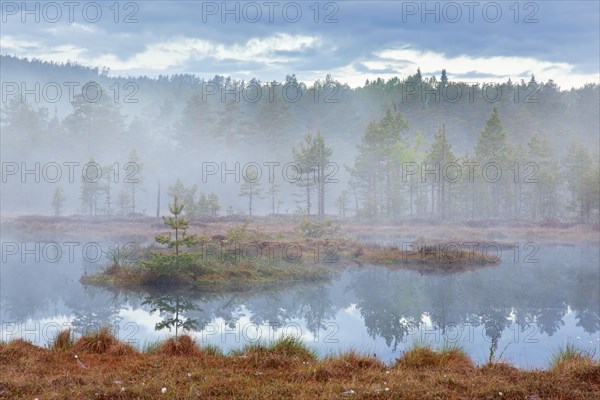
(525, 309)
(172, 308)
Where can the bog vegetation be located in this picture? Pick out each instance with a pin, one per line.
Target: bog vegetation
(99, 365)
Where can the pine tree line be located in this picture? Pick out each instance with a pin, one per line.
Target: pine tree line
(397, 179)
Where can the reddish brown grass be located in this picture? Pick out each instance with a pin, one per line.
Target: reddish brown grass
(63, 340)
(97, 342)
(28, 372)
(182, 346)
(122, 349)
(426, 358)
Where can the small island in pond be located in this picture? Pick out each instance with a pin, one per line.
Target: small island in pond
(243, 257)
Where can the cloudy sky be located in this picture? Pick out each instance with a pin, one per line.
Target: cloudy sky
(353, 40)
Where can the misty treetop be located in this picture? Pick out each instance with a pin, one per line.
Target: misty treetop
(187, 112)
(405, 148)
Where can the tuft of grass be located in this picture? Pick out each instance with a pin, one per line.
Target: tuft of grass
(348, 363)
(448, 347)
(18, 347)
(184, 345)
(292, 346)
(122, 349)
(569, 355)
(150, 347)
(212, 350)
(423, 357)
(255, 348)
(97, 342)
(282, 352)
(63, 341)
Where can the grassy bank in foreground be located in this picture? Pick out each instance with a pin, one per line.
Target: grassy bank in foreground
(100, 367)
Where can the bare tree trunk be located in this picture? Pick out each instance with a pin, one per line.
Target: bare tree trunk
(321, 191)
(158, 201)
(308, 195)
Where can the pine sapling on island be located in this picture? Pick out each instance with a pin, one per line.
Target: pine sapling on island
(176, 265)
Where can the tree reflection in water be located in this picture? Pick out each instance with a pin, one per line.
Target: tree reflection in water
(172, 307)
(394, 304)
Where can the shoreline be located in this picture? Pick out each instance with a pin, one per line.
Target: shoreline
(47, 228)
(99, 366)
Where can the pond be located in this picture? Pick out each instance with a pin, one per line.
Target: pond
(520, 311)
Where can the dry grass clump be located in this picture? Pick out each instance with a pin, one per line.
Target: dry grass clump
(122, 349)
(577, 362)
(443, 256)
(352, 361)
(344, 364)
(291, 346)
(182, 346)
(423, 357)
(502, 368)
(63, 341)
(151, 347)
(282, 352)
(570, 354)
(583, 370)
(126, 275)
(18, 348)
(97, 342)
(212, 350)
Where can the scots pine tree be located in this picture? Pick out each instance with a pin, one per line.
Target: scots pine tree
(58, 199)
(251, 188)
(178, 264)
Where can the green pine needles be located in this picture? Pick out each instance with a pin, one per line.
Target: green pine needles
(178, 263)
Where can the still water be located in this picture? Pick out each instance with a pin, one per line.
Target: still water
(521, 310)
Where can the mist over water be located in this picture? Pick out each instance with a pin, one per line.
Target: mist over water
(522, 309)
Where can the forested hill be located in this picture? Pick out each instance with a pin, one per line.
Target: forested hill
(173, 108)
(180, 124)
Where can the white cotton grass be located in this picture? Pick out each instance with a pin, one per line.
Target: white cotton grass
(80, 363)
